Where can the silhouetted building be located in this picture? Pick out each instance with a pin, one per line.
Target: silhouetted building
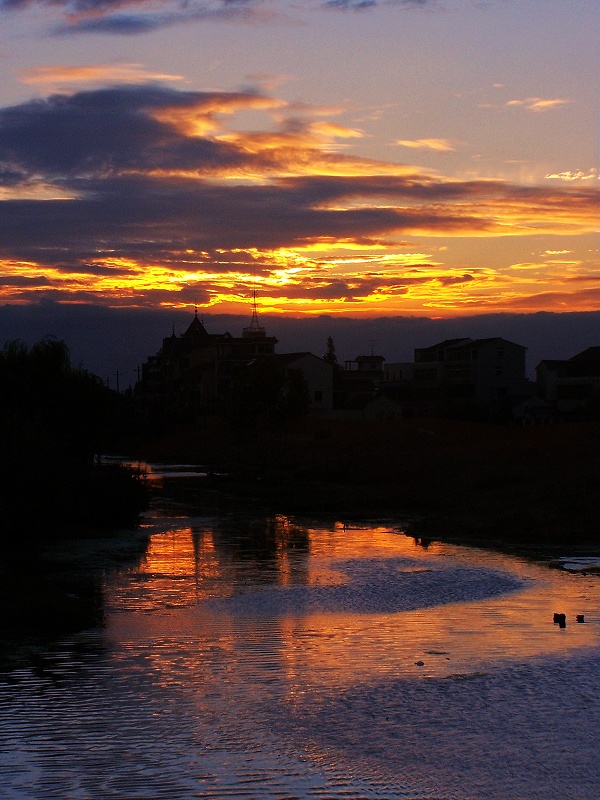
(357, 384)
(570, 384)
(532, 410)
(318, 375)
(367, 366)
(479, 371)
(399, 372)
(191, 373)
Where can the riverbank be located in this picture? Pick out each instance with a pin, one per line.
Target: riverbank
(56, 588)
(453, 479)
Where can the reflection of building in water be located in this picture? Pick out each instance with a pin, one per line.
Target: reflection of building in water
(274, 546)
(196, 563)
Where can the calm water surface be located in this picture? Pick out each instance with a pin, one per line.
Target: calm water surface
(285, 658)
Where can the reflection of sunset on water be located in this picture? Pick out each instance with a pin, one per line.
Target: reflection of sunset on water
(274, 657)
(252, 573)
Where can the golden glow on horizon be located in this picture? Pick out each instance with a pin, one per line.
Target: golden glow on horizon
(291, 281)
(210, 148)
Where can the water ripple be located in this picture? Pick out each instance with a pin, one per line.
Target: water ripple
(359, 668)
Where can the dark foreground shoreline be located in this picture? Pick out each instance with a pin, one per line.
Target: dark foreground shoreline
(465, 481)
(55, 589)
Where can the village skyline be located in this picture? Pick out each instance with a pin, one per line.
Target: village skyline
(106, 341)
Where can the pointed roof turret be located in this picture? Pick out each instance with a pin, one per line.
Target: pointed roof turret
(196, 329)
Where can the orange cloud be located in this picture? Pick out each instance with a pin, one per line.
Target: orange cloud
(329, 130)
(539, 104)
(577, 175)
(269, 81)
(55, 76)
(201, 117)
(440, 145)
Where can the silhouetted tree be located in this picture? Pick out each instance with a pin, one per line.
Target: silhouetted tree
(53, 420)
(330, 356)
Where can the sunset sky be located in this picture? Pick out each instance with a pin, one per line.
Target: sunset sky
(432, 158)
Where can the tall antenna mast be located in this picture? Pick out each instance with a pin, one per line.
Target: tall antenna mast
(255, 329)
(254, 323)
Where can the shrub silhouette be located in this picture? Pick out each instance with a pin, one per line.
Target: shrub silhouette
(53, 420)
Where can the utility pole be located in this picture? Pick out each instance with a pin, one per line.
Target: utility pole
(117, 373)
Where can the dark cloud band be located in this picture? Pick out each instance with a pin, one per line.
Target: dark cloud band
(134, 17)
(139, 185)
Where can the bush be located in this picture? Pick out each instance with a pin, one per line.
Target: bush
(53, 420)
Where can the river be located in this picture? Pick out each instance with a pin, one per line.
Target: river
(282, 658)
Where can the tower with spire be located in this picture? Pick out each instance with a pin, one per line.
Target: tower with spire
(193, 372)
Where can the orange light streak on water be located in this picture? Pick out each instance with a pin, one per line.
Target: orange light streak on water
(335, 649)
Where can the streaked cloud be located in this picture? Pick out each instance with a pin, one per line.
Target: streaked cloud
(539, 104)
(56, 77)
(440, 145)
(332, 131)
(362, 5)
(576, 175)
(452, 280)
(581, 300)
(267, 81)
(146, 18)
(135, 17)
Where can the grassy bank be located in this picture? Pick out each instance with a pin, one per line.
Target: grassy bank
(463, 479)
